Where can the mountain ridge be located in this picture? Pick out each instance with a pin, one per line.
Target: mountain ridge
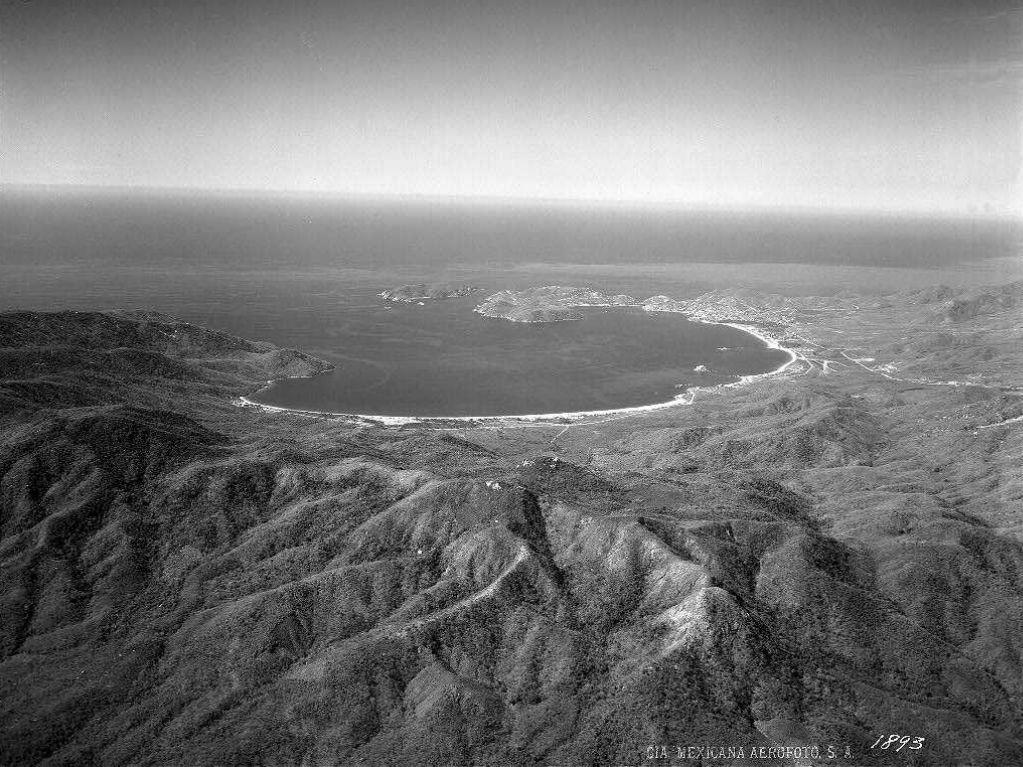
(815, 558)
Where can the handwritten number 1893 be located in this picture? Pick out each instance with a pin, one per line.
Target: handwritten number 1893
(898, 742)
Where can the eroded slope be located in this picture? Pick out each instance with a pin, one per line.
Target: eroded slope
(818, 558)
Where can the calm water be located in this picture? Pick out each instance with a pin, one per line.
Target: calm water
(441, 359)
(304, 273)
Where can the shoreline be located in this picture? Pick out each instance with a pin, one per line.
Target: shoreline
(685, 398)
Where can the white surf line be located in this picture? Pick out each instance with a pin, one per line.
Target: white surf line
(547, 419)
(544, 419)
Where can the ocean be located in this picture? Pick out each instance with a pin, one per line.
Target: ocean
(305, 273)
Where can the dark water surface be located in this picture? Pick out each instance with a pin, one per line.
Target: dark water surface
(441, 359)
(305, 273)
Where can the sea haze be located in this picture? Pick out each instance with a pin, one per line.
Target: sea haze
(305, 273)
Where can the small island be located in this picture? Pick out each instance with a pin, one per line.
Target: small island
(409, 294)
(550, 303)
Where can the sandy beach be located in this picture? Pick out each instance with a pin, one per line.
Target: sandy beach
(683, 398)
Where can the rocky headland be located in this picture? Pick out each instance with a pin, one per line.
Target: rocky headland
(551, 303)
(409, 294)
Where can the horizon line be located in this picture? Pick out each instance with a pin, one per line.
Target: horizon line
(676, 204)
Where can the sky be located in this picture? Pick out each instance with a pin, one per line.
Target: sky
(891, 105)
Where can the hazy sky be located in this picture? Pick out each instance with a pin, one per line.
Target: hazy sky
(889, 104)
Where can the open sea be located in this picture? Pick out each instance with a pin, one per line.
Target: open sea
(305, 273)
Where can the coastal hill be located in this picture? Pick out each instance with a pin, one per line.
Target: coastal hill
(551, 303)
(818, 557)
(422, 292)
(72, 358)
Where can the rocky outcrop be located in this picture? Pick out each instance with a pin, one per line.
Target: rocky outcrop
(552, 303)
(409, 294)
